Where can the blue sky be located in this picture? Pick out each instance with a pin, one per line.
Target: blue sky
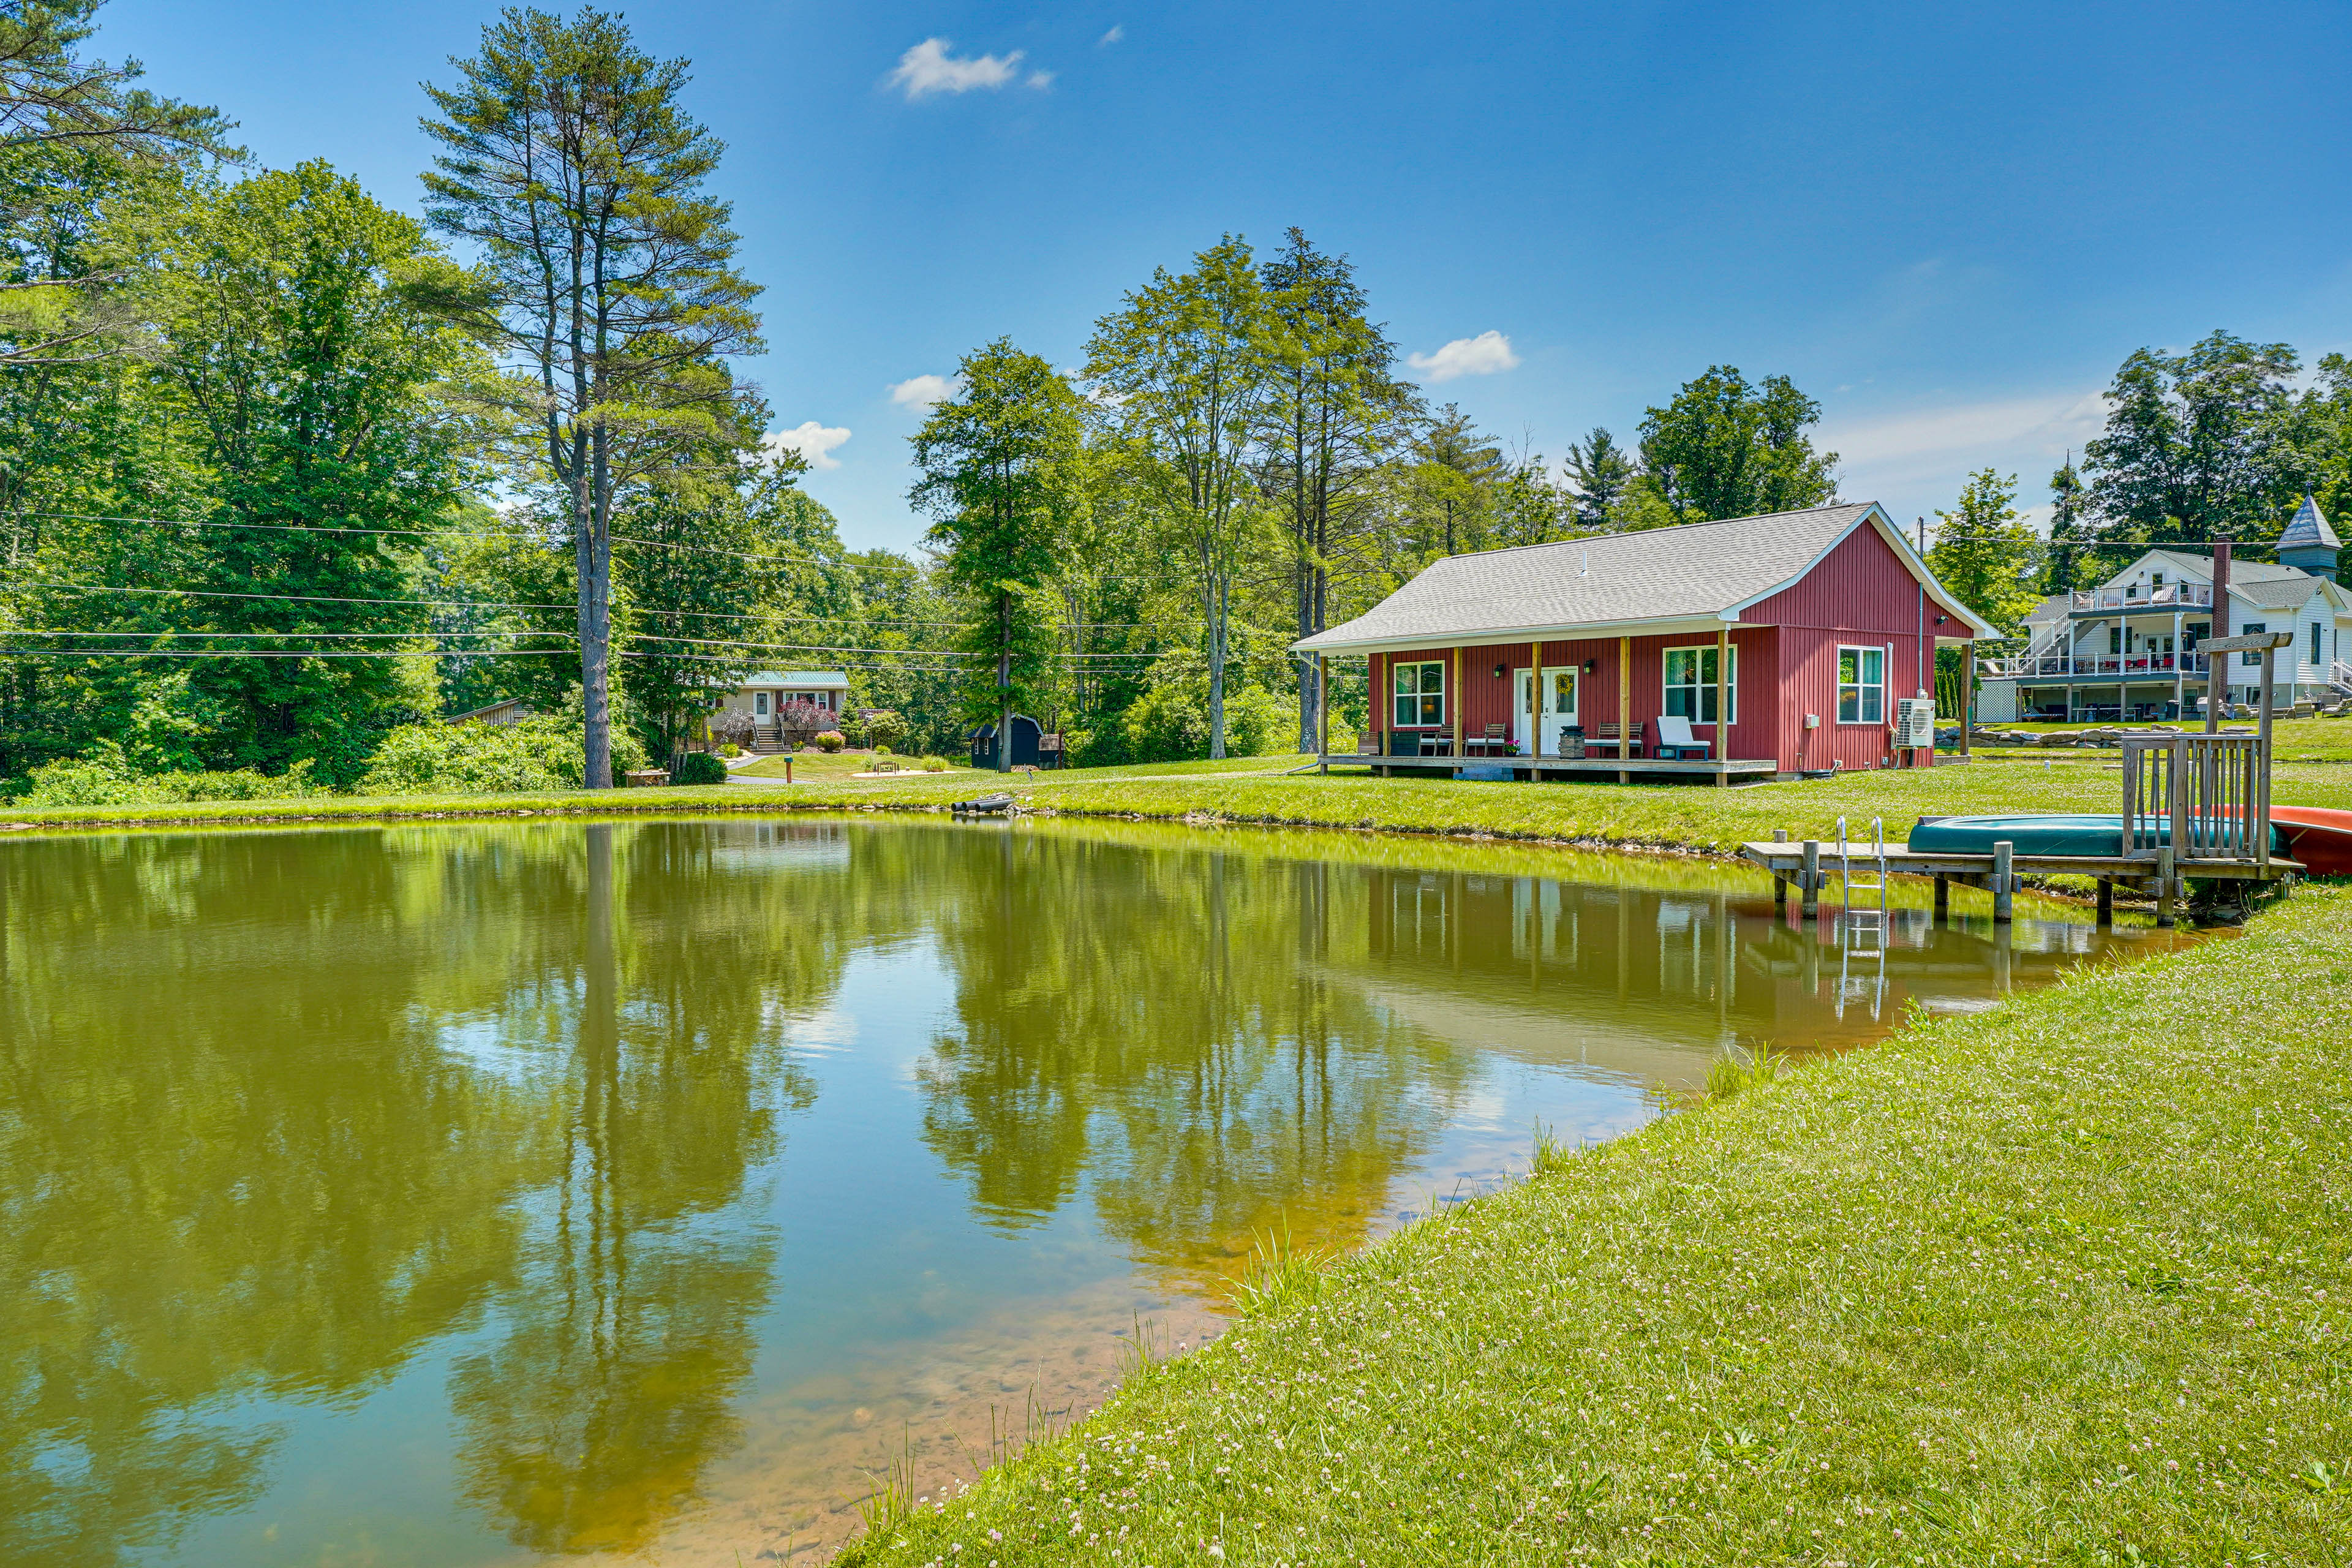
(1948, 223)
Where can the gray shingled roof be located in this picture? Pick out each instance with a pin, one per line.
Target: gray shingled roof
(1697, 571)
(2309, 526)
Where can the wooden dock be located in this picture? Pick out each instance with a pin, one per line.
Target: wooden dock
(1810, 865)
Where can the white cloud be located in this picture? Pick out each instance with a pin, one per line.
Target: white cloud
(922, 390)
(1114, 35)
(927, 67)
(1941, 445)
(1482, 355)
(813, 441)
(1041, 80)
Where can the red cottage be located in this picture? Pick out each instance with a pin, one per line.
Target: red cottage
(1803, 628)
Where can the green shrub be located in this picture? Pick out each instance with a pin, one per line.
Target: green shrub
(830, 741)
(933, 765)
(698, 768)
(534, 756)
(888, 728)
(730, 750)
(106, 777)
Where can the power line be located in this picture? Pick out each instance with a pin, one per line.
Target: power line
(504, 605)
(466, 534)
(401, 653)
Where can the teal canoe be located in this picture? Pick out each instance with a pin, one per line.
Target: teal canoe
(2041, 835)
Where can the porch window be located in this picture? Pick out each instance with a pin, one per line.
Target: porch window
(1862, 685)
(2247, 629)
(1420, 694)
(1690, 684)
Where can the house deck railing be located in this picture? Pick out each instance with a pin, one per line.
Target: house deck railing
(2171, 596)
(2084, 666)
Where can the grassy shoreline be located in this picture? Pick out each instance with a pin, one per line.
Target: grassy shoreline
(1256, 790)
(2065, 1281)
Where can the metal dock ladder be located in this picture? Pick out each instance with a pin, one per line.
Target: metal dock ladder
(1853, 923)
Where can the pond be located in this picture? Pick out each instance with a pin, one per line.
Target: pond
(479, 1193)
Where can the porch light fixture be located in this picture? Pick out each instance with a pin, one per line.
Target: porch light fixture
(1590, 664)
(1498, 672)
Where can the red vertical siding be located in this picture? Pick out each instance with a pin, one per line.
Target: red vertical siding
(1861, 593)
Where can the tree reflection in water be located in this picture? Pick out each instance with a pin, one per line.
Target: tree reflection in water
(284, 1116)
(1162, 1029)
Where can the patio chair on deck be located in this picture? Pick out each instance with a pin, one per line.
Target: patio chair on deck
(1675, 740)
(1498, 736)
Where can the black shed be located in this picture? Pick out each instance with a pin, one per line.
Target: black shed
(1025, 732)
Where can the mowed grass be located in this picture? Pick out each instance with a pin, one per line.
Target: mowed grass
(820, 767)
(1263, 790)
(2068, 1281)
(2301, 740)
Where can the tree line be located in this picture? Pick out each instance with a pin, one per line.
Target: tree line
(283, 469)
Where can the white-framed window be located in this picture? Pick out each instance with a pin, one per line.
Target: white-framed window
(2316, 649)
(1418, 690)
(1862, 685)
(2247, 629)
(1690, 683)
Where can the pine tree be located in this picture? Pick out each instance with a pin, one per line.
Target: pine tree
(607, 283)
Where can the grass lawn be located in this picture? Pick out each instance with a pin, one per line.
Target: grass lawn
(1253, 789)
(820, 768)
(2311, 740)
(2068, 1281)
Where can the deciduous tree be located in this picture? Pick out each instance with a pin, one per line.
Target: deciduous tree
(1725, 448)
(1187, 371)
(1002, 473)
(2195, 446)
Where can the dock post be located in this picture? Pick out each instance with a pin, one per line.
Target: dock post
(2164, 888)
(2003, 882)
(2106, 903)
(1779, 880)
(1943, 898)
(1812, 885)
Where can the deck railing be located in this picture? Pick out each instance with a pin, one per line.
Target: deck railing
(2171, 596)
(2205, 798)
(2113, 665)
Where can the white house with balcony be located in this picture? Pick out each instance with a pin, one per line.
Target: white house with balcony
(2128, 650)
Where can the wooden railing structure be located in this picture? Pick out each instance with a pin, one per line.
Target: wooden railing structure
(2190, 797)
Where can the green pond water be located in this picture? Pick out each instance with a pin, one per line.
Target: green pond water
(459, 1194)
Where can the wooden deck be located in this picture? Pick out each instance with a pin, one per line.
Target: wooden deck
(1562, 767)
(1789, 859)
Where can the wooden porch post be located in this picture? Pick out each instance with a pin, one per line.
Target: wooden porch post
(1458, 703)
(1377, 715)
(1534, 707)
(1322, 714)
(1626, 732)
(1968, 693)
(1722, 707)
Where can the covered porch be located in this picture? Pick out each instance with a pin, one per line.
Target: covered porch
(1619, 707)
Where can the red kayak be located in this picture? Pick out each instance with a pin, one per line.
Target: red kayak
(2320, 838)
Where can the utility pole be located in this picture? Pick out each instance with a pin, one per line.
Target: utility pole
(2216, 672)
(1003, 681)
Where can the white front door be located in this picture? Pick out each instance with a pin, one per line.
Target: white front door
(1558, 706)
(1522, 707)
